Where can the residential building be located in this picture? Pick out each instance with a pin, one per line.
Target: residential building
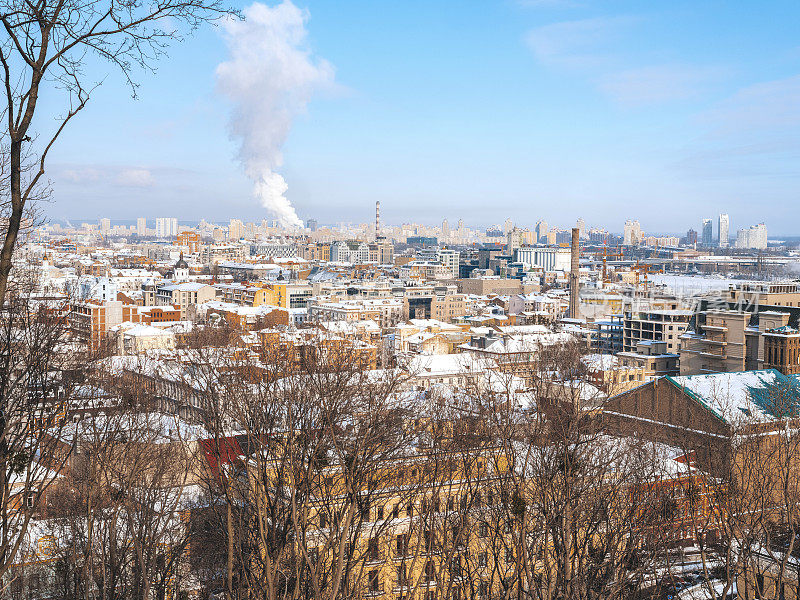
(724, 230)
(782, 349)
(649, 322)
(135, 338)
(632, 234)
(733, 340)
(235, 230)
(384, 311)
(755, 237)
(443, 256)
(707, 235)
(541, 232)
(182, 295)
(166, 227)
(190, 239)
(352, 251)
(652, 358)
(90, 321)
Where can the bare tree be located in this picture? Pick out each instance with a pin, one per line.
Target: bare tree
(35, 385)
(46, 46)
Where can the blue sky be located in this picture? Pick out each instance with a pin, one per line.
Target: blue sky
(480, 110)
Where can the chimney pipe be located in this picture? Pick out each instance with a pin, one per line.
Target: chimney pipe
(377, 219)
(574, 275)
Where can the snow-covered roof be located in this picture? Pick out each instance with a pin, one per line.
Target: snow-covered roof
(761, 395)
(184, 287)
(600, 362)
(140, 330)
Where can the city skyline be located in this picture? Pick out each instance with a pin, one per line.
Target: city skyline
(141, 223)
(563, 109)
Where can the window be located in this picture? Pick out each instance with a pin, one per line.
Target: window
(373, 549)
(430, 541)
(402, 576)
(396, 511)
(483, 530)
(482, 559)
(430, 571)
(402, 544)
(379, 513)
(374, 581)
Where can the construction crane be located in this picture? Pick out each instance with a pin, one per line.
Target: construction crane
(646, 269)
(605, 254)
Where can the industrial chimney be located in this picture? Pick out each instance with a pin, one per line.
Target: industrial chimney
(574, 275)
(377, 219)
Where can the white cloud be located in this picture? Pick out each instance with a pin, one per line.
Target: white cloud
(659, 83)
(576, 44)
(81, 175)
(766, 106)
(754, 133)
(135, 178)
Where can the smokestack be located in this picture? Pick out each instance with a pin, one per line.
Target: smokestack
(574, 275)
(377, 219)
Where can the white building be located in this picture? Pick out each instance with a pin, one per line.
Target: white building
(166, 227)
(353, 252)
(443, 256)
(755, 237)
(548, 259)
(236, 230)
(632, 233)
(724, 230)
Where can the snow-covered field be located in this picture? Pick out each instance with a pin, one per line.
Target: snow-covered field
(686, 285)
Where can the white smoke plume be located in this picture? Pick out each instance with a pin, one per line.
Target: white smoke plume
(270, 77)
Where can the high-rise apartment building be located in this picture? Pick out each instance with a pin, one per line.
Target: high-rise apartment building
(581, 225)
(541, 232)
(755, 237)
(707, 235)
(141, 227)
(632, 233)
(235, 229)
(724, 230)
(105, 226)
(166, 227)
